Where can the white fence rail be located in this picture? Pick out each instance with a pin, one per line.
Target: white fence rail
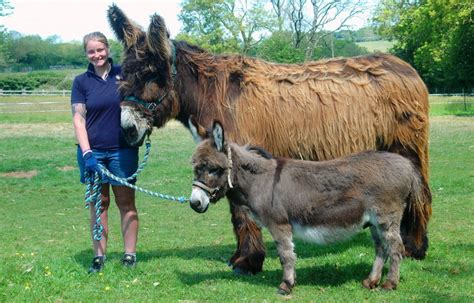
(43, 92)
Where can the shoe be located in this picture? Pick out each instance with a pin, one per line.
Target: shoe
(129, 260)
(97, 265)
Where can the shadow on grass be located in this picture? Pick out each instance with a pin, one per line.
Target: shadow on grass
(319, 275)
(224, 252)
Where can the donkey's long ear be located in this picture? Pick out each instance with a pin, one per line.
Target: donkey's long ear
(218, 134)
(158, 38)
(198, 131)
(126, 30)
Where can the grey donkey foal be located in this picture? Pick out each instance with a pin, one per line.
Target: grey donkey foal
(321, 202)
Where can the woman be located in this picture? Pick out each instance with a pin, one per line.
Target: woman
(95, 104)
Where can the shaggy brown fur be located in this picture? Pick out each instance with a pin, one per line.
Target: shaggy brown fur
(314, 111)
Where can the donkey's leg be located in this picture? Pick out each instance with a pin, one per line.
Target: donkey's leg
(395, 252)
(283, 238)
(380, 256)
(408, 225)
(250, 253)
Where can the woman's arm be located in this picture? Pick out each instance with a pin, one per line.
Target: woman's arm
(79, 121)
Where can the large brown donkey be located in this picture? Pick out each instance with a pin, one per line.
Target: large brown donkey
(313, 111)
(322, 202)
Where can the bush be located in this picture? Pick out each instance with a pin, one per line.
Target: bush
(51, 80)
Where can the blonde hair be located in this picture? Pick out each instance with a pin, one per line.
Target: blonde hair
(98, 36)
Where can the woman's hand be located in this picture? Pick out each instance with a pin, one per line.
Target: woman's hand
(90, 162)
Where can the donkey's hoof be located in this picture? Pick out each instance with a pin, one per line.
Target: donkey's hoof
(369, 284)
(284, 290)
(240, 271)
(389, 285)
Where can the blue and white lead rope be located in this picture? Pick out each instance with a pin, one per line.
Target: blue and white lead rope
(94, 189)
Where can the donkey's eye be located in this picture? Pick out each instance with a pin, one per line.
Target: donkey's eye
(217, 171)
(152, 68)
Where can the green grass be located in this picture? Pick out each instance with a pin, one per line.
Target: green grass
(377, 46)
(46, 248)
(454, 105)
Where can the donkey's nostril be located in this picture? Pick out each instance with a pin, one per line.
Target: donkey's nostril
(197, 208)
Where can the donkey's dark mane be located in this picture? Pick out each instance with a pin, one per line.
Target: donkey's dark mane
(260, 151)
(185, 46)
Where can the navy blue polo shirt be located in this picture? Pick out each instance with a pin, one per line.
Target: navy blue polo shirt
(102, 100)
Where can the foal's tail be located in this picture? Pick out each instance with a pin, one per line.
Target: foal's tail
(414, 225)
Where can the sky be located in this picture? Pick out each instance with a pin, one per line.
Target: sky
(72, 19)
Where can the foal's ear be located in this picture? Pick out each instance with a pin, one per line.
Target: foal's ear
(126, 30)
(197, 131)
(218, 135)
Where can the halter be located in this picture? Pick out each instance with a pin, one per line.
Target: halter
(212, 192)
(151, 106)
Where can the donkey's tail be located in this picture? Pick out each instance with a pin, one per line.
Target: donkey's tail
(414, 225)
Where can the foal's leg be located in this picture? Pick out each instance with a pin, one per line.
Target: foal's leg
(395, 252)
(282, 235)
(250, 253)
(380, 256)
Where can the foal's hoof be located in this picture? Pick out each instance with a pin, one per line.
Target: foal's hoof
(240, 271)
(369, 284)
(284, 290)
(389, 285)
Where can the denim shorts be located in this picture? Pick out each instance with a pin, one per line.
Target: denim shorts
(121, 162)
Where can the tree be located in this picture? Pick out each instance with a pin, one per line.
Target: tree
(332, 47)
(279, 48)
(297, 20)
(388, 14)
(325, 17)
(436, 37)
(278, 8)
(5, 40)
(335, 12)
(5, 8)
(224, 25)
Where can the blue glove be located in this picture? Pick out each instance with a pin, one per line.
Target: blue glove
(91, 163)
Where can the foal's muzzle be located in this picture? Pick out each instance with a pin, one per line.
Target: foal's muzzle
(211, 192)
(201, 196)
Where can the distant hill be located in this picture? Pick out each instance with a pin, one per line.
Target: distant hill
(377, 46)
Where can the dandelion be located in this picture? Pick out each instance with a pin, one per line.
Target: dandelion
(107, 288)
(32, 254)
(101, 274)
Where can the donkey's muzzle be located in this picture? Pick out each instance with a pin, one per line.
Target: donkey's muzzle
(198, 208)
(199, 200)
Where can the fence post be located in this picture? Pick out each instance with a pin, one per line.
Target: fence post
(465, 104)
